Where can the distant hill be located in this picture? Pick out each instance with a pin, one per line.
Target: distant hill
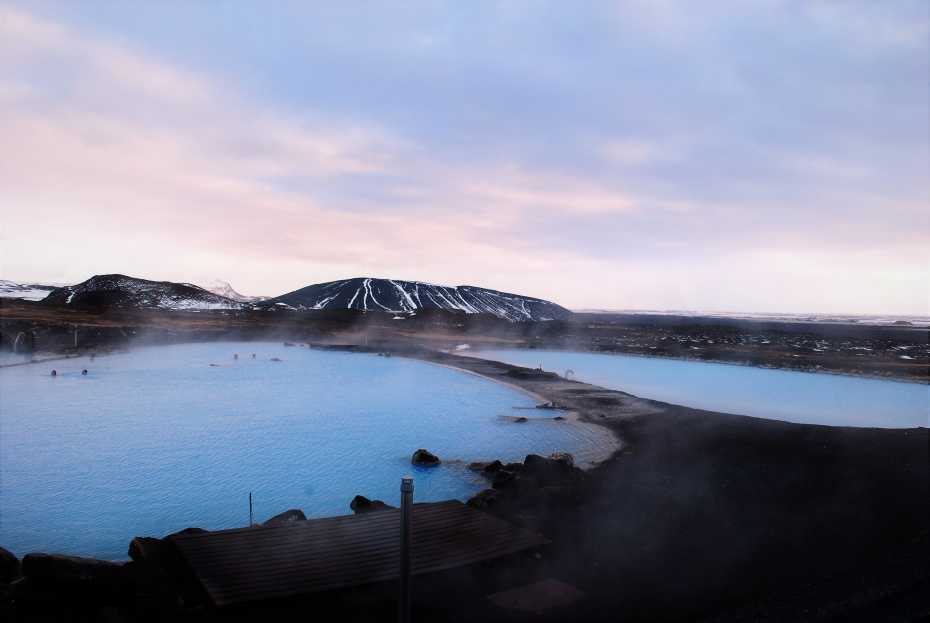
(122, 291)
(408, 297)
(223, 288)
(25, 291)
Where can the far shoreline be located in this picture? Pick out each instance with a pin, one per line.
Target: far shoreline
(742, 364)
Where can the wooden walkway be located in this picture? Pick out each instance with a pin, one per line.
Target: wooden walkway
(270, 562)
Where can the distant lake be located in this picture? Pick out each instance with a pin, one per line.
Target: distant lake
(809, 398)
(156, 440)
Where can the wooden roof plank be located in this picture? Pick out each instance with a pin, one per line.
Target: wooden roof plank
(266, 562)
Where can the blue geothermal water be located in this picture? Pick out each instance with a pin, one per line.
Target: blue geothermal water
(155, 440)
(772, 394)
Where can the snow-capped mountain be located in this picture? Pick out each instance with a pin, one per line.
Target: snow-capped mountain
(131, 292)
(28, 292)
(406, 297)
(224, 289)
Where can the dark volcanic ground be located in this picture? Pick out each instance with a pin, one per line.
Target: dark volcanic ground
(884, 351)
(705, 516)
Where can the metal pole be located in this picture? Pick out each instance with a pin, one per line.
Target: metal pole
(406, 504)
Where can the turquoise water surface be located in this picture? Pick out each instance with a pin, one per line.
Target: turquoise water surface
(773, 394)
(155, 440)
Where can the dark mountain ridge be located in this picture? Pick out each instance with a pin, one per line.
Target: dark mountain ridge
(122, 291)
(365, 294)
(409, 297)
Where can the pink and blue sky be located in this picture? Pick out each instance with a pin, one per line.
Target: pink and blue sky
(746, 156)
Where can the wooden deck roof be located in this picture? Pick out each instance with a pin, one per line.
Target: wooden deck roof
(269, 562)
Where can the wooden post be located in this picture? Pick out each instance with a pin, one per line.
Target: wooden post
(250, 509)
(406, 504)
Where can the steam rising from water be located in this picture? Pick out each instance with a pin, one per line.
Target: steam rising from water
(158, 439)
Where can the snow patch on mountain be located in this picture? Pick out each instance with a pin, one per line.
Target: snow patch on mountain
(28, 292)
(408, 297)
(224, 289)
(131, 292)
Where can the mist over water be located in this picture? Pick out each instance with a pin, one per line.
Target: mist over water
(790, 396)
(156, 440)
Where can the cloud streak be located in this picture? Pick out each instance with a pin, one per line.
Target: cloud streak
(119, 157)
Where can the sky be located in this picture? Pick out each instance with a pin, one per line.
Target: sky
(743, 156)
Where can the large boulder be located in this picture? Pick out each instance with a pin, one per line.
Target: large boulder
(360, 504)
(556, 471)
(484, 500)
(159, 553)
(492, 468)
(425, 458)
(503, 479)
(147, 549)
(287, 517)
(9, 566)
(545, 471)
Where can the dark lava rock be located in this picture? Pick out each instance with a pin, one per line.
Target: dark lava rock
(9, 566)
(156, 564)
(484, 500)
(147, 549)
(59, 569)
(559, 418)
(520, 420)
(514, 467)
(546, 471)
(360, 504)
(287, 517)
(425, 458)
(492, 468)
(503, 479)
(563, 458)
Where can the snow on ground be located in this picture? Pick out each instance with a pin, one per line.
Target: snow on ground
(11, 289)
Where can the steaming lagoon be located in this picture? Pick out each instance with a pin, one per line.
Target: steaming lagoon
(800, 397)
(157, 439)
